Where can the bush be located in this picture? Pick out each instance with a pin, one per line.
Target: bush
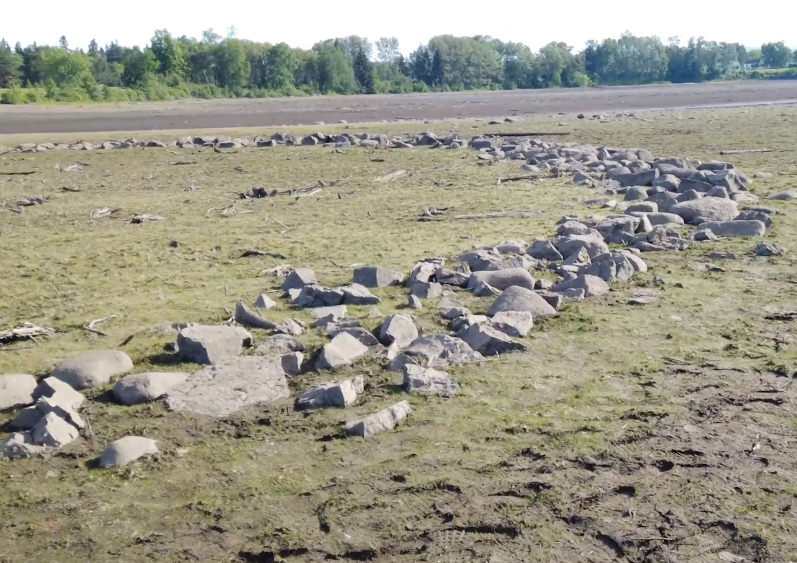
(13, 96)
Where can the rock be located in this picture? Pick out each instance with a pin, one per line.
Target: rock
(292, 363)
(200, 344)
(424, 271)
(319, 296)
(399, 329)
(543, 249)
(735, 228)
(299, 278)
(340, 395)
(765, 249)
(521, 299)
(703, 235)
(359, 333)
(279, 344)
(343, 350)
(427, 290)
(513, 323)
(375, 277)
(386, 419)
(644, 178)
(636, 261)
(669, 182)
(93, 369)
(436, 350)
(644, 297)
(47, 405)
(723, 256)
(454, 312)
(16, 390)
(488, 341)
(593, 286)
(20, 445)
(750, 215)
(635, 193)
(414, 302)
(662, 218)
(512, 246)
(26, 419)
(62, 392)
(572, 294)
(718, 191)
(356, 294)
(263, 301)
(569, 228)
(146, 387)
(230, 385)
(502, 279)
(329, 314)
(289, 326)
(429, 381)
(643, 207)
(54, 432)
(761, 174)
(127, 450)
(709, 208)
(573, 243)
(552, 298)
(457, 277)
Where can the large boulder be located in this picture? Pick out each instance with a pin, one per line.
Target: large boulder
(200, 344)
(521, 299)
(340, 395)
(127, 450)
(644, 178)
(398, 329)
(369, 276)
(502, 279)
(489, 341)
(230, 385)
(343, 350)
(707, 208)
(593, 286)
(315, 296)
(356, 294)
(735, 228)
(146, 387)
(429, 381)
(93, 369)
(16, 390)
(386, 419)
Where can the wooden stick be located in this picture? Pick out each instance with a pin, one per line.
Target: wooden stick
(90, 327)
(745, 151)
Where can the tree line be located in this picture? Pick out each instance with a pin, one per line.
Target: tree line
(214, 66)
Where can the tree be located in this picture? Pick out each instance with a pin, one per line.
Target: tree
(776, 55)
(421, 64)
(93, 48)
(63, 43)
(438, 72)
(138, 68)
(232, 68)
(387, 50)
(210, 36)
(169, 54)
(334, 72)
(364, 73)
(280, 64)
(10, 65)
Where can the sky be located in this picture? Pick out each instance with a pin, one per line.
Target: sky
(301, 23)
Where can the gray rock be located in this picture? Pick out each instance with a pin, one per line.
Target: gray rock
(543, 249)
(359, 333)
(414, 302)
(644, 178)
(735, 228)
(424, 271)
(63, 393)
(292, 363)
(93, 369)
(669, 182)
(263, 301)
(146, 387)
(718, 191)
(386, 419)
(279, 344)
(47, 405)
(502, 279)
(573, 243)
(579, 259)
(784, 196)
(398, 329)
(572, 295)
(636, 261)
(20, 445)
(299, 278)
(457, 277)
(357, 294)
(708, 208)
(512, 246)
(427, 290)
(488, 341)
(26, 419)
(436, 350)
(429, 381)
(127, 450)
(553, 299)
(662, 218)
(315, 296)
(54, 432)
(375, 277)
(513, 323)
(635, 193)
(454, 312)
(765, 249)
(483, 259)
(644, 297)
(593, 286)
(642, 207)
(569, 228)
(16, 390)
(200, 344)
(343, 350)
(750, 215)
(521, 299)
(329, 314)
(339, 395)
(230, 385)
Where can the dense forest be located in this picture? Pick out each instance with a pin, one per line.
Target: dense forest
(215, 66)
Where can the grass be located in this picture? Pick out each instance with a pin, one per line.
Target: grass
(572, 451)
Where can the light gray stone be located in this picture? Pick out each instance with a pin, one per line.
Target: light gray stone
(279, 344)
(513, 323)
(489, 341)
(669, 182)
(788, 195)
(230, 385)
(315, 296)
(427, 290)
(735, 228)
(454, 312)
(424, 271)
(359, 333)
(93, 369)
(47, 405)
(339, 395)
(263, 301)
(593, 286)
(292, 363)
(54, 432)
(523, 300)
(386, 419)
(399, 329)
(375, 277)
(146, 387)
(343, 350)
(643, 207)
(637, 262)
(436, 350)
(16, 390)
(429, 381)
(127, 450)
(572, 294)
(553, 299)
(299, 278)
(20, 445)
(707, 208)
(502, 279)
(635, 193)
(765, 249)
(200, 344)
(573, 243)
(414, 302)
(512, 246)
(330, 314)
(543, 249)
(484, 289)
(356, 294)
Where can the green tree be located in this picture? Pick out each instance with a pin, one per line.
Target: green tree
(387, 50)
(421, 65)
(334, 70)
(438, 72)
(776, 55)
(281, 63)
(139, 66)
(232, 68)
(169, 53)
(10, 65)
(62, 67)
(364, 73)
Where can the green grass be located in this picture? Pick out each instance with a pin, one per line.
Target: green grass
(594, 383)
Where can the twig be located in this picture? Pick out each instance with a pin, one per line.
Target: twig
(17, 173)
(90, 327)
(745, 151)
(517, 178)
(6, 349)
(66, 189)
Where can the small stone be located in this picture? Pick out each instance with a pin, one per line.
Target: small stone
(502, 279)
(765, 249)
(374, 277)
(427, 290)
(329, 314)
(292, 363)
(572, 294)
(340, 395)
(359, 333)
(386, 419)
(414, 302)
(174, 244)
(784, 196)
(593, 286)
(643, 297)
(279, 344)
(127, 450)
(16, 390)
(543, 249)
(201, 344)
(659, 281)
(263, 301)
(429, 381)
(521, 299)
(343, 350)
(93, 369)
(356, 294)
(374, 313)
(513, 323)
(490, 342)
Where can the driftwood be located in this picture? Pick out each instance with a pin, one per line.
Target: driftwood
(500, 215)
(429, 213)
(19, 210)
(28, 173)
(71, 190)
(143, 218)
(246, 317)
(393, 176)
(277, 255)
(745, 151)
(531, 177)
(104, 212)
(90, 327)
(184, 163)
(25, 331)
(31, 200)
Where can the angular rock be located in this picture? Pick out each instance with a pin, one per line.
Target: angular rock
(643, 207)
(488, 341)
(521, 299)
(569, 228)
(750, 215)
(20, 445)
(735, 228)
(635, 193)
(429, 381)
(54, 432)
(329, 314)
(386, 419)
(315, 296)
(636, 261)
(16, 390)
(356, 294)
(47, 405)
(414, 302)
(339, 395)
(436, 350)
(502, 279)
(398, 329)
(707, 208)
(644, 178)
(127, 450)
(458, 277)
(299, 278)
(343, 350)
(765, 249)
(553, 299)
(146, 387)
(424, 271)
(200, 344)
(263, 301)
(543, 249)
(573, 243)
(374, 277)
(292, 363)
(512, 246)
(572, 294)
(359, 333)
(26, 419)
(454, 313)
(593, 286)
(644, 297)
(482, 259)
(669, 182)
(513, 323)
(427, 290)
(93, 369)
(788, 195)
(230, 385)
(279, 344)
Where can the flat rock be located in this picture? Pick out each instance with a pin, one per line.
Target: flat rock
(330, 314)
(374, 277)
(146, 387)
(707, 208)
(571, 244)
(543, 249)
(553, 299)
(427, 290)
(16, 390)
(766, 249)
(359, 333)
(436, 350)
(47, 405)
(735, 228)
(340, 395)
(502, 279)
(230, 385)
(386, 419)
(573, 294)
(343, 350)
(643, 297)
(356, 294)
(93, 369)
(593, 286)
(429, 381)
(524, 300)
(127, 450)
(200, 344)
(488, 341)
(54, 432)
(299, 278)
(279, 344)
(513, 323)
(316, 296)
(398, 329)
(784, 196)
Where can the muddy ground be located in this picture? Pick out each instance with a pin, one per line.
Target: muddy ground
(217, 114)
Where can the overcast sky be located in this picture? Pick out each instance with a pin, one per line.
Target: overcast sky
(301, 23)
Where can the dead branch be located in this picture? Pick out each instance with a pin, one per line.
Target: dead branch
(531, 177)
(393, 176)
(745, 151)
(27, 173)
(500, 215)
(249, 253)
(90, 327)
(246, 317)
(31, 200)
(138, 219)
(71, 190)
(184, 163)
(25, 331)
(104, 212)
(191, 188)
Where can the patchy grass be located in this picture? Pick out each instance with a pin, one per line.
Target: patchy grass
(593, 446)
